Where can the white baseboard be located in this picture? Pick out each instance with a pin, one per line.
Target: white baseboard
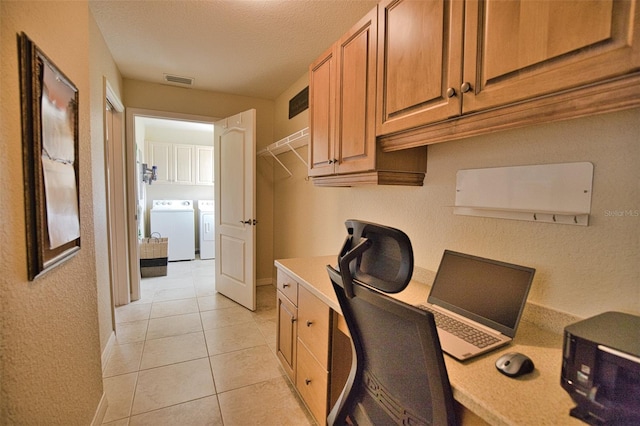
(107, 350)
(100, 411)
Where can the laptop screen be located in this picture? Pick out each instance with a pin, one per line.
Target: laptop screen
(490, 292)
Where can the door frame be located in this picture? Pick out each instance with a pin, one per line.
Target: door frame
(118, 289)
(132, 174)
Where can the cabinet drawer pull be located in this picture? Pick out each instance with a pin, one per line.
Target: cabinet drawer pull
(451, 92)
(309, 323)
(466, 87)
(307, 382)
(285, 285)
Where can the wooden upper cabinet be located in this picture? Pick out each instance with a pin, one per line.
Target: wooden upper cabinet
(322, 81)
(343, 150)
(342, 103)
(419, 62)
(518, 50)
(355, 146)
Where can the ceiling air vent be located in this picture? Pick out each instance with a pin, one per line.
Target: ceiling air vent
(178, 80)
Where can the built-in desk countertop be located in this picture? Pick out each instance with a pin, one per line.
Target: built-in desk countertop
(533, 399)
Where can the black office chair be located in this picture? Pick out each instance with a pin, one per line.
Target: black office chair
(398, 375)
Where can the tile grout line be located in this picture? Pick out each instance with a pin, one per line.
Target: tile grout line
(258, 321)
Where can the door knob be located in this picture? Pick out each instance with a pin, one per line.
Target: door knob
(466, 87)
(451, 92)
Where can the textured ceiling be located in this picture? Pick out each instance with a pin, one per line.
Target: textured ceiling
(252, 48)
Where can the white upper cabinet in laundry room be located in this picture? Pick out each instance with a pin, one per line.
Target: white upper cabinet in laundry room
(204, 165)
(160, 154)
(175, 162)
(183, 161)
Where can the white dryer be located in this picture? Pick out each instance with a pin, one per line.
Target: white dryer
(175, 219)
(207, 229)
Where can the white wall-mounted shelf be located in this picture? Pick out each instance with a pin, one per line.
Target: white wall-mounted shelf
(553, 193)
(288, 144)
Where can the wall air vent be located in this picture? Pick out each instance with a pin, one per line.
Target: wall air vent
(178, 80)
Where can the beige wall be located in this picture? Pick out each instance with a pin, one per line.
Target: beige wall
(51, 369)
(580, 270)
(285, 126)
(160, 97)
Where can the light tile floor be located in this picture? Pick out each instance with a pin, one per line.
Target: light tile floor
(186, 355)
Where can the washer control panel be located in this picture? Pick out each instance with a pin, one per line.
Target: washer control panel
(172, 204)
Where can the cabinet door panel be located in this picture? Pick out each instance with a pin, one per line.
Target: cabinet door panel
(160, 154)
(419, 59)
(517, 50)
(204, 165)
(321, 114)
(183, 160)
(286, 337)
(355, 99)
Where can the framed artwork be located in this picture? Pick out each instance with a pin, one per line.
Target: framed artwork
(50, 160)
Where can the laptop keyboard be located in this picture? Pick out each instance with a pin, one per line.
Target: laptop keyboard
(467, 333)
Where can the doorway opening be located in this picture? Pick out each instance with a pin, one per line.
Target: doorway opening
(181, 148)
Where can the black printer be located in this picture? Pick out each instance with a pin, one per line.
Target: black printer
(601, 368)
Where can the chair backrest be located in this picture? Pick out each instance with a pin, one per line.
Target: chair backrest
(398, 375)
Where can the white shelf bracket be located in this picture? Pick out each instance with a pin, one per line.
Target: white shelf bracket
(290, 143)
(297, 155)
(280, 162)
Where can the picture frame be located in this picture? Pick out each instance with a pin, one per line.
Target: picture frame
(49, 109)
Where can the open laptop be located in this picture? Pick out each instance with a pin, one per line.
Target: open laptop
(483, 294)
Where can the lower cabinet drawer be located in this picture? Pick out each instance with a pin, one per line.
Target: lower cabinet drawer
(288, 286)
(314, 322)
(311, 382)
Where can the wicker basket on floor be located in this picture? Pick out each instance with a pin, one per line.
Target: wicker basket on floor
(153, 256)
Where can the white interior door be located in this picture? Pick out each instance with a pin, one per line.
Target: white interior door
(234, 157)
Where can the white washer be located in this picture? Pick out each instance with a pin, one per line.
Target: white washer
(174, 219)
(207, 229)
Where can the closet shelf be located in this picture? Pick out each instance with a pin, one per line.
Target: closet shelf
(290, 143)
